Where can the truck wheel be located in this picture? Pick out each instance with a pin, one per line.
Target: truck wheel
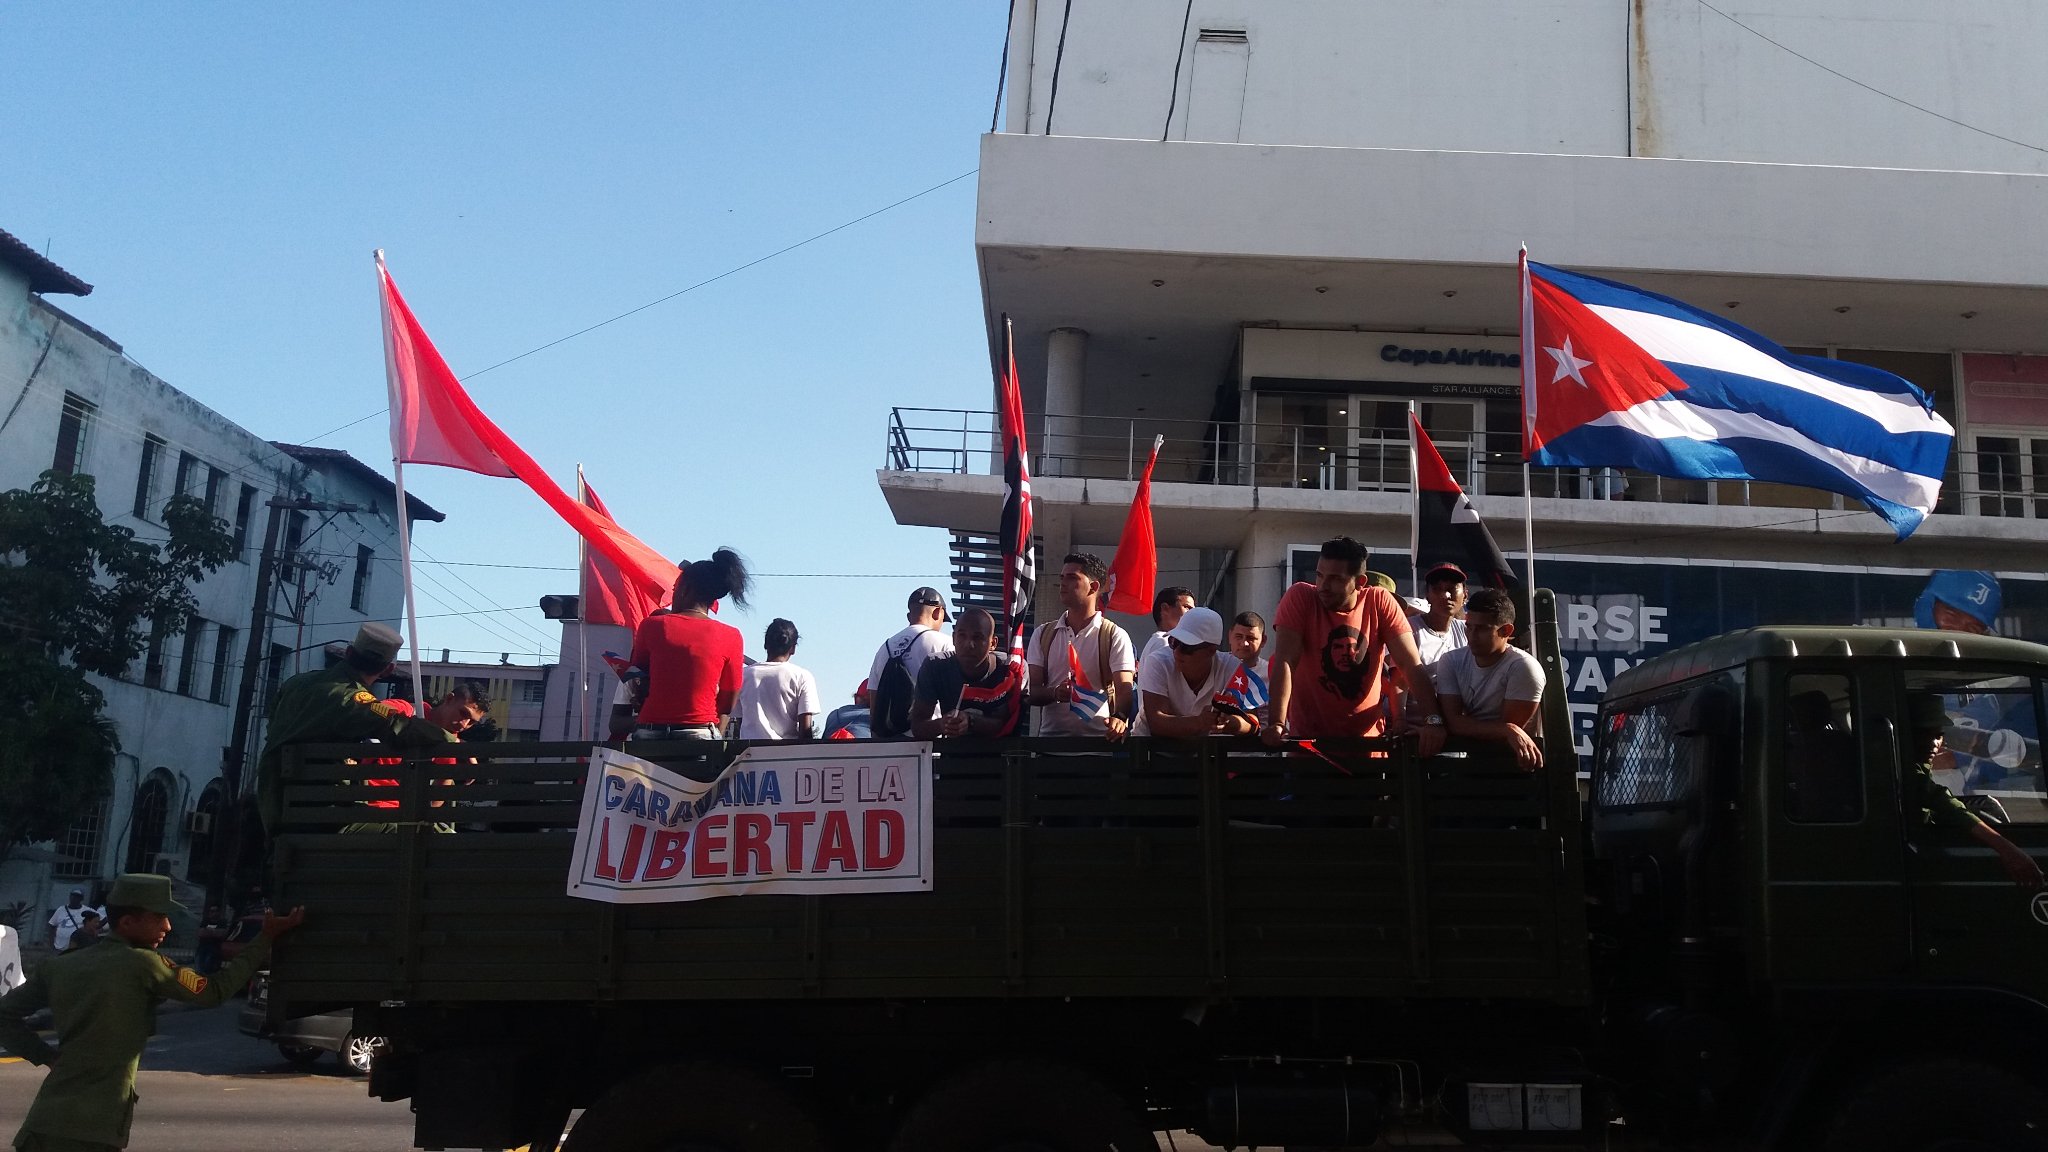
(1023, 1106)
(1944, 1106)
(702, 1107)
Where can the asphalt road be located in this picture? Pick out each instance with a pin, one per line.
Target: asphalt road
(205, 1087)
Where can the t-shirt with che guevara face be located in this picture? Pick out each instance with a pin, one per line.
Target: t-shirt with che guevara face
(1336, 681)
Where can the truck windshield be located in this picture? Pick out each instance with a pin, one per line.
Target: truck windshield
(1992, 746)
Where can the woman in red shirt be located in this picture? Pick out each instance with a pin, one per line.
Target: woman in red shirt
(692, 662)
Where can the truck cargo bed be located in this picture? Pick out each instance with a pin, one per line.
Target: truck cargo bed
(1167, 869)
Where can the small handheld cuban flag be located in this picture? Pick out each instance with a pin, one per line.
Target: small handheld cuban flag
(1613, 376)
(1089, 703)
(1244, 695)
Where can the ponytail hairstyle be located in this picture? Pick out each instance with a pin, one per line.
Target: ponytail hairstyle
(725, 574)
(780, 639)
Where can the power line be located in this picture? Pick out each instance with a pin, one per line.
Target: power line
(1866, 87)
(812, 239)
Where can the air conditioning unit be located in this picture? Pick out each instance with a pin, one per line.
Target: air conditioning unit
(169, 865)
(199, 823)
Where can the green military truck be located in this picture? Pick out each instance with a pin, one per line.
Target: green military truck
(1738, 936)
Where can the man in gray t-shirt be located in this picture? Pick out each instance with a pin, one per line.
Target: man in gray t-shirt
(1490, 689)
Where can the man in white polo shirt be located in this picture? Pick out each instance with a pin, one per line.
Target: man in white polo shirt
(1178, 685)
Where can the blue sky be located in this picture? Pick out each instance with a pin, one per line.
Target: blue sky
(221, 174)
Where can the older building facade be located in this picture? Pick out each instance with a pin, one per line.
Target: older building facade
(76, 403)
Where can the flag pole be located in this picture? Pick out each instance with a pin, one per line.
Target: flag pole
(1414, 503)
(582, 615)
(1528, 421)
(412, 616)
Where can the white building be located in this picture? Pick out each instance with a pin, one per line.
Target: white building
(75, 402)
(1260, 230)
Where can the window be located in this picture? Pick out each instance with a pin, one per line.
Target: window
(223, 659)
(79, 847)
(294, 536)
(187, 475)
(359, 592)
(145, 477)
(273, 673)
(188, 659)
(216, 480)
(533, 691)
(146, 821)
(1638, 764)
(1990, 754)
(153, 660)
(1823, 762)
(245, 507)
(74, 426)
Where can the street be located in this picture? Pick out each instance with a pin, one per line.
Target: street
(205, 1087)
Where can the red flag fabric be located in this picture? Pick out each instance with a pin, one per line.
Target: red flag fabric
(1020, 563)
(1447, 530)
(608, 596)
(433, 421)
(1135, 570)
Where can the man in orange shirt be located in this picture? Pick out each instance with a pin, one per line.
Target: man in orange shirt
(1331, 639)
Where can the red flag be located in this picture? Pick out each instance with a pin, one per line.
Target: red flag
(608, 597)
(1135, 570)
(433, 421)
(1020, 564)
(1446, 528)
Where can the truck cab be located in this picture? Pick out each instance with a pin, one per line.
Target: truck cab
(1780, 924)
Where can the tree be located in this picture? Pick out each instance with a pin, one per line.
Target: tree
(80, 597)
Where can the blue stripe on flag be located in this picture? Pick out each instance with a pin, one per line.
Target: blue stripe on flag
(1731, 458)
(1089, 705)
(1814, 417)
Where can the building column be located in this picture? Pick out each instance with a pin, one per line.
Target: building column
(1260, 579)
(1066, 369)
(1054, 527)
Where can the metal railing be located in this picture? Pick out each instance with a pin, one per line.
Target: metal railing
(2011, 483)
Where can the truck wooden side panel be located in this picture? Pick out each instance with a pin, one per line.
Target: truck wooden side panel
(1174, 869)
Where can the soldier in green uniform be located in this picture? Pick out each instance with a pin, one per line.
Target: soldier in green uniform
(104, 1000)
(1928, 804)
(334, 706)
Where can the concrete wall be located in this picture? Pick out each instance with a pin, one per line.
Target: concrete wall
(178, 736)
(1646, 77)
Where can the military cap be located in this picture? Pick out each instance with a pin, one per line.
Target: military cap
(144, 890)
(1380, 580)
(1926, 713)
(378, 642)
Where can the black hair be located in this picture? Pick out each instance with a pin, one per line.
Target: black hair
(115, 913)
(1091, 565)
(1492, 602)
(1344, 548)
(1167, 596)
(470, 692)
(88, 913)
(1250, 620)
(781, 637)
(363, 661)
(725, 574)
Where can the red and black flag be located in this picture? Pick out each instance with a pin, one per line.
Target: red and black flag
(1447, 530)
(1020, 566)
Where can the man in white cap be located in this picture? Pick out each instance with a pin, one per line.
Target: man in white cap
(1178, 685)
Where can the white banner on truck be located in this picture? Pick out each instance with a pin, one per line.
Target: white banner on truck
(11, 975)
(800, 819)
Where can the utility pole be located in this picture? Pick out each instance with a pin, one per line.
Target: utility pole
(227, 838)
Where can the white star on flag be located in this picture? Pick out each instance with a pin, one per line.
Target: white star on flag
(1568, 364)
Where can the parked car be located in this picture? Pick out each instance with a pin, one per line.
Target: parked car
(301, 1041)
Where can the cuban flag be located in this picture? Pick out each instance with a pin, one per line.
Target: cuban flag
(1613, 376)
(1089, 704)
(1246, 693)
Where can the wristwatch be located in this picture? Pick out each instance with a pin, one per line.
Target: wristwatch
(1433, 720)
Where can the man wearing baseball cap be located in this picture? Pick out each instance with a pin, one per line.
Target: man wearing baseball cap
(1959, 601)
(892, 676)
(1178, 685)
(334, 706)
(102, 1001)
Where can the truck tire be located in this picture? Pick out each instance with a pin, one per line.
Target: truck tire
(1943, 1106)
(1023, 1106)
(697, 1107)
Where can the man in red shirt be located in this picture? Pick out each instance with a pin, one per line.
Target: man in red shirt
(1331, 639)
